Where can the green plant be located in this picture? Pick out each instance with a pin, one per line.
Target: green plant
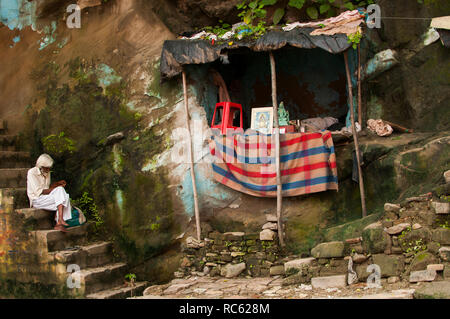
(415, 247)
(228, 243)
(355, 39)
(131, 281)
(88, 206)
(58, 144)
(445, 225)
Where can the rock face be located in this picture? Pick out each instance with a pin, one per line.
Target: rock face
(232, 270)
(328, 250)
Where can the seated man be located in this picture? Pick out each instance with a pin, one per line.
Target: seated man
(42, 195)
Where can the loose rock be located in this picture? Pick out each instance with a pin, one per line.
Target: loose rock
(232, 270)
(422, 275)
(397, 229)
(329, 282)
(441, 208)
(267, 234)
(270, 225)
(298, 263)
(328, 250)
(444, 253)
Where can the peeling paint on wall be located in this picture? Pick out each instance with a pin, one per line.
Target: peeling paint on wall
(18, 14)
(212, 194)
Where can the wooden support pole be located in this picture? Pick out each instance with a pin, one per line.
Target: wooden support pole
(191, 158)
(277, 148)
(359, 87)
(355, 136)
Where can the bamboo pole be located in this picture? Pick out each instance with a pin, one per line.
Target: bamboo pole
(277, 148)
(359, 87)
(355, 136)
(191, 157)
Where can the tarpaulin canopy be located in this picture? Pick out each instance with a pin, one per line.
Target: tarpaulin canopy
(442, 26)
(176, 53)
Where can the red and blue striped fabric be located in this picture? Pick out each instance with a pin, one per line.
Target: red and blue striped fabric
(246, 163)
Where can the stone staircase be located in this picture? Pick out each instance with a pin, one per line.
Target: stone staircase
(31, 251)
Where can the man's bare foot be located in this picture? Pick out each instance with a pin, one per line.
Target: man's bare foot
(60, 228)
(62, 222)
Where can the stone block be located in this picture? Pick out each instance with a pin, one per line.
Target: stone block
(436, 267)
(422, 260)
(298, 263)
(232, 270)
(391, 265)
(328, 250)
(374, 239)
(233, 236)
(271, 218)
(277, 270)
(444, 253)
(433, 290)
(441, 208)
(270, 225)
(441, 235)
(422, 275)
(338, 281)
(397, 229)
(267, 234)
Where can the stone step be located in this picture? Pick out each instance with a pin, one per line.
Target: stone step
(93, 280)
(120, 292)
(10, 159)
(54, 240)
(7, 142)
(92, 255)
(13, 177)
(37, 219)
(18, 197)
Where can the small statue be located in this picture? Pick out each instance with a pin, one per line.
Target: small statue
(283, 115)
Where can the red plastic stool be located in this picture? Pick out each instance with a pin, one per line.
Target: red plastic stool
(227, 115)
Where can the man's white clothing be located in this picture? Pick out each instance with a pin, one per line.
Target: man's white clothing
(36, 183)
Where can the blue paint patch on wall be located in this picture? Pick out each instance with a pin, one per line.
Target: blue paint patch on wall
(49, 36)
(106, 75)
(211, 194)
(17, 14)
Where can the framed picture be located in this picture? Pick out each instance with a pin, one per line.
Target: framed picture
(262, 119)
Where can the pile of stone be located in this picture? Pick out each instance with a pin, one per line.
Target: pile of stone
(269, 229)
(230, 255)
(410, 243)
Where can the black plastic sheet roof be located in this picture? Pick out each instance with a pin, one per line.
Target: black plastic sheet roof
(176, 53)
